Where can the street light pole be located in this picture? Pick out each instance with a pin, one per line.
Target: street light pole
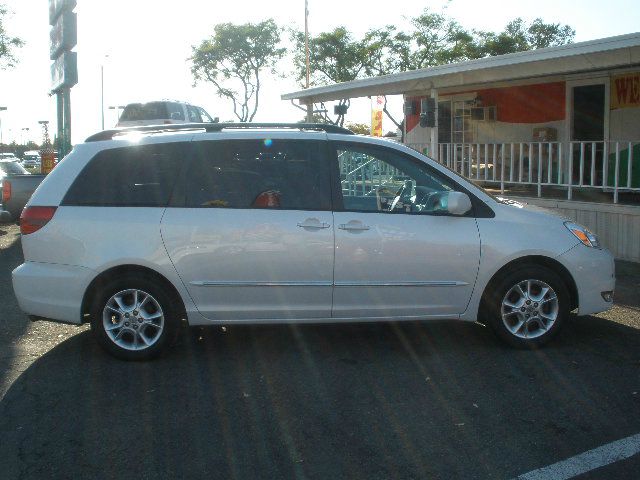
(102, 93)
(102, 89)
(24, 142)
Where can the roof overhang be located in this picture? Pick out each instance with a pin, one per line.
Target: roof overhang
(595, 55)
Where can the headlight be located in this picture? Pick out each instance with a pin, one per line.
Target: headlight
(583, 234)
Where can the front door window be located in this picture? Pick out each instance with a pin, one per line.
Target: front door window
(379, 180)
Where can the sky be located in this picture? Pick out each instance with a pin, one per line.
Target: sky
(142, 47)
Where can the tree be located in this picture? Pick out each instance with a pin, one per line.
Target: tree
(520, 37)
(8, 44)
(233, 60)
(387, 51)
(315, 117)
(438, 40)
(359, 128)
(434, 39)
(334, 57)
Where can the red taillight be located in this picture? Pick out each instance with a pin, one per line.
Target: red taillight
(168, 122)
(6, 191)
(33, 219)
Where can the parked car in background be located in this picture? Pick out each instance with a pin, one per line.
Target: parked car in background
(162, 112)
(8, 156)
(16, 187)
(31, 159)
(246, 223)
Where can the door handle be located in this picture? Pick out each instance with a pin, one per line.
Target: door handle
(354, 226)
(313, 223)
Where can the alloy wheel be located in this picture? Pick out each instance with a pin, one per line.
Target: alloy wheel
(133, 319)
(529, 309)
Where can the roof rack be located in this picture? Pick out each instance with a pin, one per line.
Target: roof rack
(216, 127)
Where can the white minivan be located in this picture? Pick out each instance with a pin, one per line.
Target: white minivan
(243, 223)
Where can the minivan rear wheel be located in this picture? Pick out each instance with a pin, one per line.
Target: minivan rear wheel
(528, 306)
(133, 318)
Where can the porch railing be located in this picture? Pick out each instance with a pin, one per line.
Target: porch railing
(610, 166)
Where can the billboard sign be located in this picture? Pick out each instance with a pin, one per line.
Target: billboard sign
(64, 71)
(64, 34)
(56, 7)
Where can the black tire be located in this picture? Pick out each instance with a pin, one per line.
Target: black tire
(163, 297)
(497, 292)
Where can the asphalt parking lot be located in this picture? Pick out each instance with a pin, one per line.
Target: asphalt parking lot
(373, 401)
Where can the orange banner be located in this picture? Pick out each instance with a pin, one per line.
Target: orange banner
(377, 104)
(625, 91)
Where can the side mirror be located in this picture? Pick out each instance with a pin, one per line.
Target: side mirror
(458, 203)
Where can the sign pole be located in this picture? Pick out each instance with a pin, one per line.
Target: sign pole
(67, 119)
(64, 69)
(60, 140)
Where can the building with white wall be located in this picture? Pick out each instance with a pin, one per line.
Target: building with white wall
(561, 124)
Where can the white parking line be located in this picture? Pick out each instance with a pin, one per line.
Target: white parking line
(587, 461)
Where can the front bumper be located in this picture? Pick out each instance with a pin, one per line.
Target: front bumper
(593, 271)
(51, 291)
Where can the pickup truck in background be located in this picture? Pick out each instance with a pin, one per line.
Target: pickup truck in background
(16, 187)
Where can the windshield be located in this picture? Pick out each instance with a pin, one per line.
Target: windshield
(12, 168)
(144, 111)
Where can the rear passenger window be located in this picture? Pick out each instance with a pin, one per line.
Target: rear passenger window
(139, 176)
(278, 174)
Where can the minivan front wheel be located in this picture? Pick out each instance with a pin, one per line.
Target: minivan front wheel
(133, 318)
(528, 306)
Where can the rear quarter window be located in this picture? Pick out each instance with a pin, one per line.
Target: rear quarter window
(138, 176)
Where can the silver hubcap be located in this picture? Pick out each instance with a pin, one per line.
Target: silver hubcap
(529, 309)
(133, 319)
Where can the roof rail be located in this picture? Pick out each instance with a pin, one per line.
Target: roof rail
(215, 127)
